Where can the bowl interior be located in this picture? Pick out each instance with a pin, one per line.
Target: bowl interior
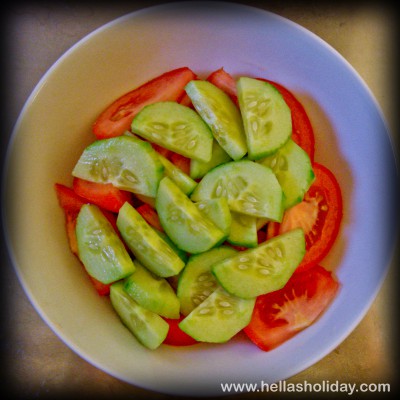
(55, 126)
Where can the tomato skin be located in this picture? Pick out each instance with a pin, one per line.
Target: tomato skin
(117, 117)
(302, 131)
(325, 194)
(71, 204)
(68, 200)
(176, 336)
(225, 82)
(104, 195)
(279, 315)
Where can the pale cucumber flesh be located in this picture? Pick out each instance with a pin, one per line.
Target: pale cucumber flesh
(100, 249)
(263, 269)
(120, 161)
(148, 327)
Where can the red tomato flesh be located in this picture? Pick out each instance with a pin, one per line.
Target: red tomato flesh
(176, 336)
(319, 215)
(279, 315)
(225, 82)
(104, 195)
(68, 200)
(117, 117)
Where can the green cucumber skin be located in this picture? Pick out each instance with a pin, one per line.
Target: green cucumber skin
(175, 127)
(221, 114)
(185, 225)
(152, 292)
(149, 328)
(146, 244)
(100, 249)
(218, 318)
(120, 161)
(196, 282)
(264, 269)
(266, 117)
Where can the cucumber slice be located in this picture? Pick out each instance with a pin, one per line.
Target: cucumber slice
(264, 269)
(221, 114)
(219, 156)
(243, 230)
(196, 281)
(266, 117)
(293, 169)
(148, 327)
(249, 189)
(120, 161)
(184, 181)
(185, 225)
(218, 318)
(147, 246)
(152, 292)
(100, 249)
(175, 127)
(217, 210)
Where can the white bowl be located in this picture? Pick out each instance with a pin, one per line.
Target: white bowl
(55, 125)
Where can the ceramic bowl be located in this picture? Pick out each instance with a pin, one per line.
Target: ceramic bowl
(55, 126)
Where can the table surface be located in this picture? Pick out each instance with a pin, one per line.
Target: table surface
(37, 363)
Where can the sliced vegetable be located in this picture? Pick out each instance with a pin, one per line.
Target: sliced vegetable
(319, 215)
(186, 226)
(221, 114)
(293, 169)
(266, 117)
(250, 188)
(263, 269)
(302, 131)
(176, 336)
(175, 127)
(219, 156)
(100, 249)
(146, 244)
(196, 281)
(105, 195)
(120, 161)
(279, 315)
(243, 230)
(218, 318)
(152, 292)
(224, 81)
(117, 117)
(148, 327)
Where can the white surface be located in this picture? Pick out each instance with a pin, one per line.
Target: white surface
(350, 139)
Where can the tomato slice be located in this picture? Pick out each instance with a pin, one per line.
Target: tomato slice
(303, 133)
(225, 82)
(176, 336)
(104, 195)
(279, 315)
(117, 117)
(68, 200)
(319, 215)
